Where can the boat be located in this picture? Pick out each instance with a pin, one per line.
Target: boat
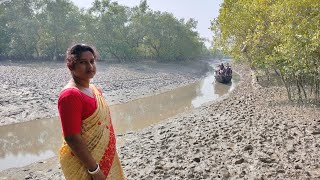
(223, 74)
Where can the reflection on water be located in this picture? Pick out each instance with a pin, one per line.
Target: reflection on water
(209, 90)
(28, 142)
(143, 112)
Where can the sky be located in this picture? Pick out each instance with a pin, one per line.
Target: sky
(202, 11)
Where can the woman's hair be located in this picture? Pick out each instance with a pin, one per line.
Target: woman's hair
(74, 52)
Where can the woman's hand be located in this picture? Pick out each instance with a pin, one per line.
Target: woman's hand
(79, 148)
(99, 176)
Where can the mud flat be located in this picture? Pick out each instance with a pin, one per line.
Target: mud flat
(253, 133)
(29, 91)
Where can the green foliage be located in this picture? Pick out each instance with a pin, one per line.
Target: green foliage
(169, 39)
(4, 29)
(59, 26)
(274, 34)
(45, 28)
(20, 29)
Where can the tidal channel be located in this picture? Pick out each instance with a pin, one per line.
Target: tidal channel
(25, 143)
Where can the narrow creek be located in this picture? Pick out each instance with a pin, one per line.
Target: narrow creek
(24, 143)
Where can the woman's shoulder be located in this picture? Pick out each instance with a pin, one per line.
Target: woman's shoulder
(70, 88)
(69, 92)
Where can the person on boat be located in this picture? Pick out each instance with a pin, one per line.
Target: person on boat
(89, 147)
(228, 70)
(222, 69)
(221, 66)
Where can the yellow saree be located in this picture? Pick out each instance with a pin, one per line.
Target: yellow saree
(97, 131)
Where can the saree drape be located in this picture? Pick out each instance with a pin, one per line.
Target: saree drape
(97, 131)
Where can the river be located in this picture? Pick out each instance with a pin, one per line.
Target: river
(28, 142)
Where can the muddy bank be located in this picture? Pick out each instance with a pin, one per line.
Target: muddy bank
(253, 133)
(29, 91)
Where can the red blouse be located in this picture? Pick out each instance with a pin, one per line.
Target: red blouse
(74, 106)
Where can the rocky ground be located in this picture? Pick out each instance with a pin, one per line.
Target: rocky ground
(254, 133)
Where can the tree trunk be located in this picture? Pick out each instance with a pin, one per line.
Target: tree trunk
(299, 91)
(286, 85)
(55, 48)
(303, 89)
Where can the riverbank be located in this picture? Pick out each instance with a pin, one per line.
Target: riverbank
(253, 133)
(30, 91)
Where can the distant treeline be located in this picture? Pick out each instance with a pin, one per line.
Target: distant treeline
(44, 29)
(275, 36)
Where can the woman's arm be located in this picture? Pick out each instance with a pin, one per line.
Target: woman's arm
(70, 106)
(79, 149)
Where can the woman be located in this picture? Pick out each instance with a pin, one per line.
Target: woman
(89, 149)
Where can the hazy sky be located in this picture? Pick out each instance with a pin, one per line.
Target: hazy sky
(201, 10)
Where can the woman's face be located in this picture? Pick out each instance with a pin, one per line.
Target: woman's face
(85, 68)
